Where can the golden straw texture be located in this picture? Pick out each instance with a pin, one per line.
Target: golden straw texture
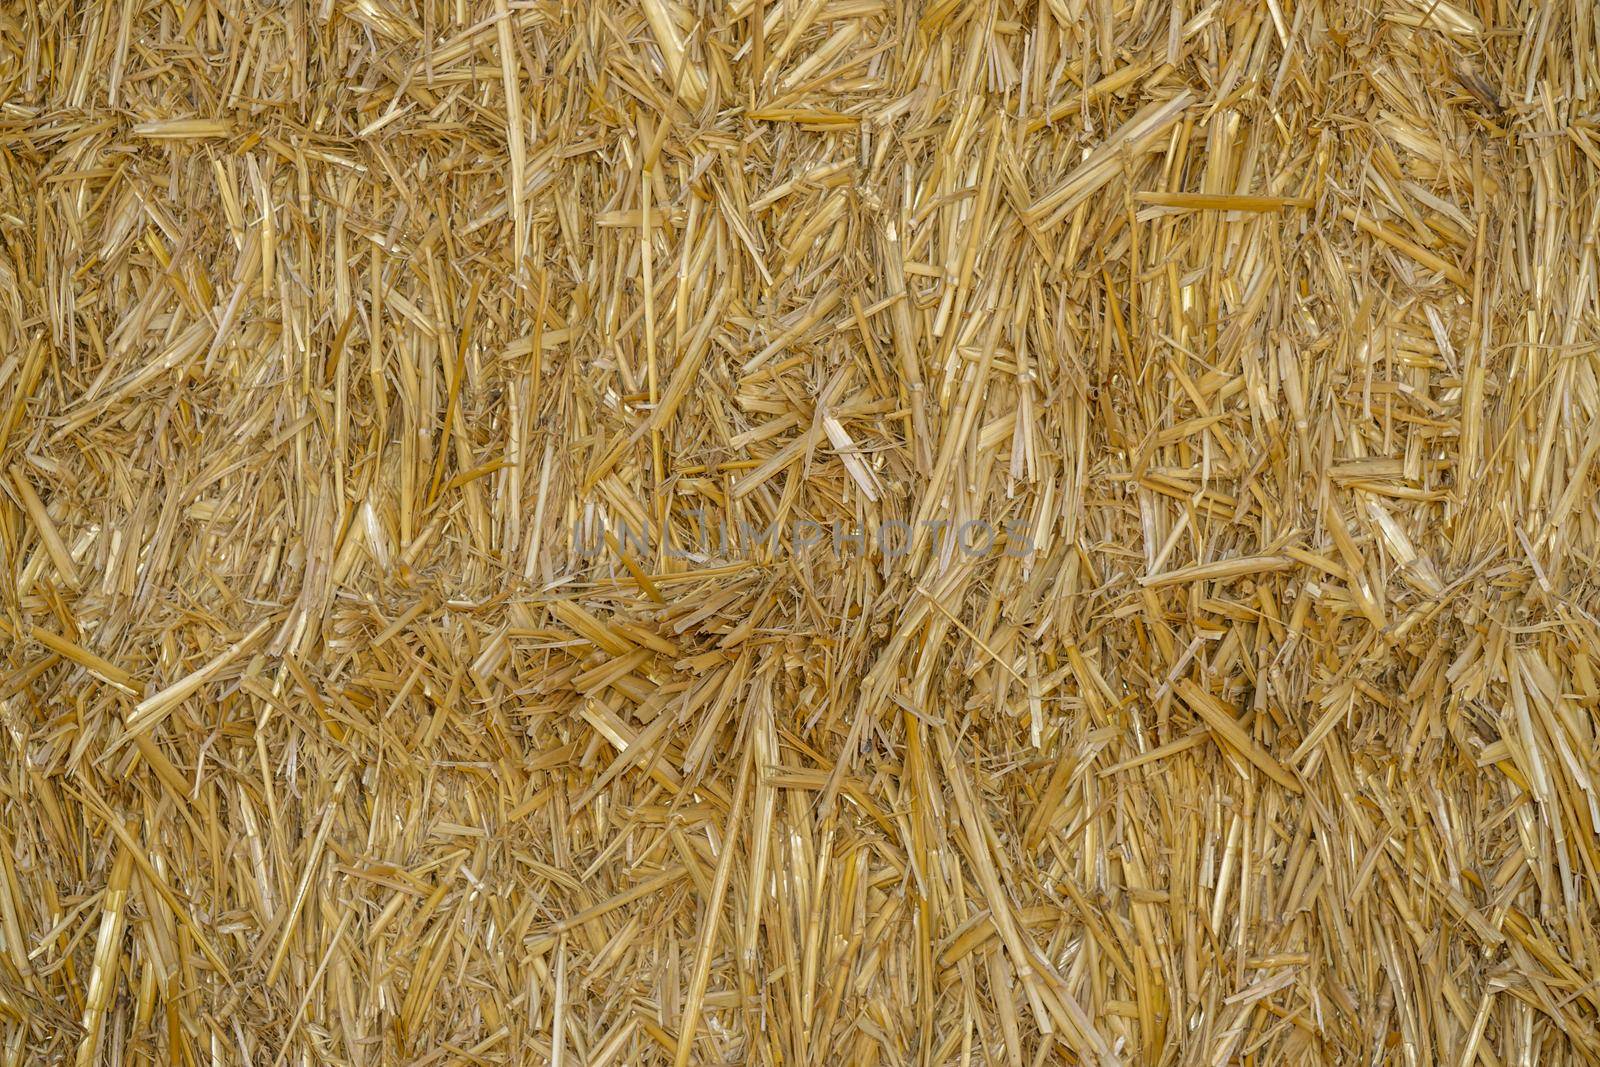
(799, 532)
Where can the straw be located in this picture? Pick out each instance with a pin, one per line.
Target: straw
(639, 533)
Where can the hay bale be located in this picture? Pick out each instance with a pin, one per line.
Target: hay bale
(800, 532)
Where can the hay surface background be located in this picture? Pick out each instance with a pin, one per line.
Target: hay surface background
(1266, 734)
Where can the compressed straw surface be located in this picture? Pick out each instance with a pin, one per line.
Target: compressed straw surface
(799, 532)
